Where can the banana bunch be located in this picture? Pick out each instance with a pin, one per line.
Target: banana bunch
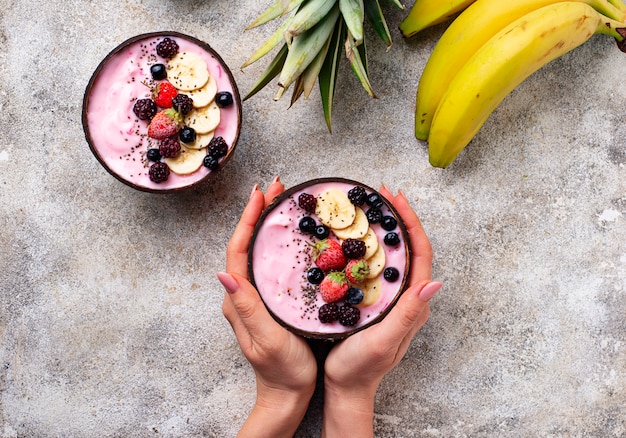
(488, 50)
(312, 37)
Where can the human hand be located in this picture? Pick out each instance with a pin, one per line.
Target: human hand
(284, 365)
(355, 367)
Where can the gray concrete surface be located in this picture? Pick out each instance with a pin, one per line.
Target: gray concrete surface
(110, 316)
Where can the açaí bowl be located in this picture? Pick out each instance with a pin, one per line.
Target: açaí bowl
(115, 135)
(280, 255)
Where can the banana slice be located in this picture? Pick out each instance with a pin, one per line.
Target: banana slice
(335, 210)
(371, 243)
(202, 141)
(205, 95)
(371, 291)
(187, 161)
(205, 119)
(358, 228)
(377, 262)
(187, 71)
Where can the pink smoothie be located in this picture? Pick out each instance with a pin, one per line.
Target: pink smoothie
(281, 256)
(119, 140)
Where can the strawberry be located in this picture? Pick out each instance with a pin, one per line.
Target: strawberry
(334, 287)
(163, 94)
(165, 123)
(357, 270)
(328, 255)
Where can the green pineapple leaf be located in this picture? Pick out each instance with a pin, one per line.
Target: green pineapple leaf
(377, 19)
(328, 73)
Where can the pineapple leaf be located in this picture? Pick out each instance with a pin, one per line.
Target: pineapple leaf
(276, 9)
(309, 15)
(358, 61)
(396, 3)
(313, 70)
(353, 14)
(298, 89)
(376, 17)
(268, 45)
(270, 73)
(329, 71)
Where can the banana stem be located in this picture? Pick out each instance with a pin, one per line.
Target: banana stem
(616, 29)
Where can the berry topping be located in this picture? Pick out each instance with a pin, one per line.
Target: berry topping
(315, 275)
(223, 99)
(167, 48)
(169, 147)
(353, 248)
(159, 172)
(354, 296)
(182, 103)
(187, 135)
(391, 238)
(357, 270)
(334, 287)
(211, 162)
(357, 195)
(374, 215)
(349, 315)
(307, 202)
(388, 223)
(153, 154)
(374, 200)
(328, 255)
(164, 124)
(218, 147)
(307, 225)
(144, 109)
(328, 313)
(321, 232)
(158, 72)
(391, 274)
(163, 94)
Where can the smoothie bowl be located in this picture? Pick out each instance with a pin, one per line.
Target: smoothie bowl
(162, 112)
(329, 257)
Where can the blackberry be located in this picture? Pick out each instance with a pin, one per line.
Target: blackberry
(153, 154)
(218, 147)
(307, 225)
(388, 223)
(159, 172)
(353, 248)
(169, 147)
(187, 135)
(357, 195)
(374, 215)
(349, 315)
(391, 238)
(328, 313)
(391, 274)
(158, 72)
(168, 48)
(223, 99)
(144, 109)
(182, 103)
(354, 296)
(321, 232)
(307, 202)
(315, 275)
(374, 200)
(211, 162)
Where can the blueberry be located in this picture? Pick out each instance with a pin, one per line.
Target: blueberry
(374, 200)
(307, 225)
(315, 275)
(153, 154)
(391, 238)
(354, 295)
(321, 232)
(391, 274)
(187, 135)
(223, 99)
(158, 71)
(374, 215)
(389, 223)
(210, 162)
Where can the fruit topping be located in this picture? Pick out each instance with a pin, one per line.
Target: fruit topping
(391, 238)
(357, 195)
(158, 72)
(354, 296)
(391, 274)
(187, 135)
(315, 275)
(182, 103)
(374, 215)
(307, 225)
(188, 71)
(224, 99)
(187, 161)
(328, 313)
(159, 172)
(163, 94)
(168, 48)
(334, 287)
(328, 255)
(335, 210)
(307, 202)
(153, 154)
(374, 200)
(377, 262)
(164, 124)
(353, 248)
(349, 315)
(321, 232)
(169, 147)
(388, 223)
(144, 109)
(358, 229)
(357, 271)
(211, 162)
(205, 119)
(218, 147)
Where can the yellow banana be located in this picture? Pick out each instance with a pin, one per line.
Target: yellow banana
(467, 33)
(502, 63)
(427, 13)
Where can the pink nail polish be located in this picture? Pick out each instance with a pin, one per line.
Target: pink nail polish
(228, 281)
(254, 189)
(276, 179)
(430, 290)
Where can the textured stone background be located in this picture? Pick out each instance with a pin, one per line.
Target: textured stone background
(110, 315)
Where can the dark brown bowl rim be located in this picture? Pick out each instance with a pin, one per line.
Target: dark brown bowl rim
(407, 246)
(204, 45)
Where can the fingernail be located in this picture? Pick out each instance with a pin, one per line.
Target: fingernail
(254, 189)
(228, 281)
(401, 193)
(430, 290)
(276, 179)
(384, 187)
